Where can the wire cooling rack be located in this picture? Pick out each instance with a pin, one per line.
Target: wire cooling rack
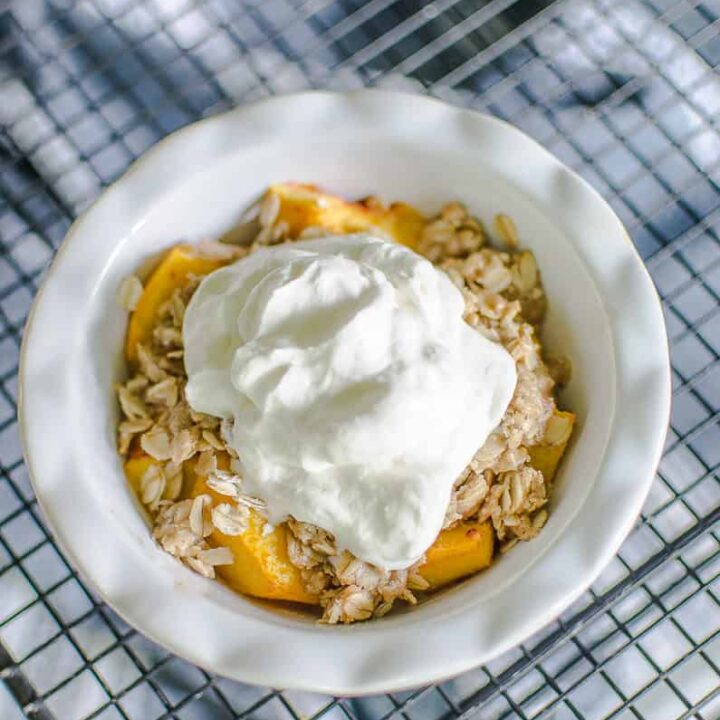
(625, 91)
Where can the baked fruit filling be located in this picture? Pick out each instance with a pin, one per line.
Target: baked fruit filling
(187, 473)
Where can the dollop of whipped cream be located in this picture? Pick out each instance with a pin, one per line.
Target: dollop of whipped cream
(358, 392)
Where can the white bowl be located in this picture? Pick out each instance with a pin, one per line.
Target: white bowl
(604, 313)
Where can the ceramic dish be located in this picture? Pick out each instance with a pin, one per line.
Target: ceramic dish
(604, 314)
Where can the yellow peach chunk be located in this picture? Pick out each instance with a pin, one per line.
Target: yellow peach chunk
(261, 566)
(135, 467)
(458, 552)
(305, 206)
(546, 457)
(171, 273)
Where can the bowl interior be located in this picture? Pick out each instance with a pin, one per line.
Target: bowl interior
(205, 202)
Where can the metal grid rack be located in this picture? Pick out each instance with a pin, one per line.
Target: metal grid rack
(625, 91)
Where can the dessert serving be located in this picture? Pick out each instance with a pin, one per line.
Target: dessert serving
(373, 384)
(351, 409)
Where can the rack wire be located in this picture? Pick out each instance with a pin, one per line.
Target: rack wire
(627, 92)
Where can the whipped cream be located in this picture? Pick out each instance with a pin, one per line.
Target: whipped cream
(358, 392)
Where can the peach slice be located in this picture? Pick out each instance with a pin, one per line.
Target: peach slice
(305, 206)
(261, 566)
(172, 272)
(135, 467)
(458, 552)
(546, 457)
